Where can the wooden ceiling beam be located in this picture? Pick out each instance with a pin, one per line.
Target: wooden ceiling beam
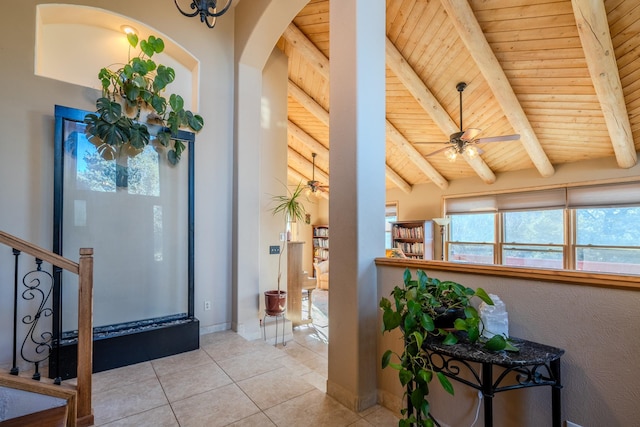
(472, 36)
(302, 44)
(399, 181)
(310, 142)
(316, 147)
(308, 103)
(396, 138)
(298, 40)
(414, 84)
(593, 28)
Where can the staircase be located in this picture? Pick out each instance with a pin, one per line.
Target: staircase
(77, 410)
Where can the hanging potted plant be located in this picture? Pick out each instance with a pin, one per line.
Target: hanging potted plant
(128, 90)
(429, 307)
(291, 209)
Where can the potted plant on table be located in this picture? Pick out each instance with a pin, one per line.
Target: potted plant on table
(421, 308)
(291, 209)
(129, 89)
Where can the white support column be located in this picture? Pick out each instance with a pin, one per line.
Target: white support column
(356, 212)
(246, 228)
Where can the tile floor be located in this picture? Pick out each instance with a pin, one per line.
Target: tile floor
(230, 381)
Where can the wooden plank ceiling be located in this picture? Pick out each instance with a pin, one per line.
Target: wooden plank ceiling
(563, 74)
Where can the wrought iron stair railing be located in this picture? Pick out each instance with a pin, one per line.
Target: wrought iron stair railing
(35, 289)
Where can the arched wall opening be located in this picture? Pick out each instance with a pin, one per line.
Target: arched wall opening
(74, 42)
(259, 25)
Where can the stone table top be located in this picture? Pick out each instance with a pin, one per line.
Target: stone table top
(531, 353)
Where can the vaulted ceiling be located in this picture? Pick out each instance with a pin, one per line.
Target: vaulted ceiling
(563, 74)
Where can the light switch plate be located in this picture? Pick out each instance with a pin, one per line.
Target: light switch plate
(274, 250)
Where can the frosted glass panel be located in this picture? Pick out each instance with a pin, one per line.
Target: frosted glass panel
(134, 213)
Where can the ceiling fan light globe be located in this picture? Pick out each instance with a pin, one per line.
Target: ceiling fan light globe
(472, 151)
(451, 154)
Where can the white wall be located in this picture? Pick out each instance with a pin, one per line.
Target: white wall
(273, 170)
(26, 162)
(273, 178)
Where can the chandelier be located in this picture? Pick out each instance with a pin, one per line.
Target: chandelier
(207, 9)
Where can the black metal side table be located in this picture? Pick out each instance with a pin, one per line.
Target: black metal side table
(533, 366)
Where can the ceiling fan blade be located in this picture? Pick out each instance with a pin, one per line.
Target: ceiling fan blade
(470, 134)
(498, 138)
(433, 153)
(430, 142)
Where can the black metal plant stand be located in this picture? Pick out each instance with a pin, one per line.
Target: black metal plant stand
(264, 326)
(534, 365)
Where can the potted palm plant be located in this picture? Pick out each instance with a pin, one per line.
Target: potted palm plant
(291, 208)
(430, 307)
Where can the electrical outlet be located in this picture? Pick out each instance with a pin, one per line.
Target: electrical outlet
(274, 250)
(570, 424)
(207, 305)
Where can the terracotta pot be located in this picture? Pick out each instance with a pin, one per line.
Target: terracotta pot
(275, 302)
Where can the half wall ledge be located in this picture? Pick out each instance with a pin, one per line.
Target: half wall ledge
(570, 277)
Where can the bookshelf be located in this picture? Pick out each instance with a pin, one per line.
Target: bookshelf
(414, 238)
(320, 243)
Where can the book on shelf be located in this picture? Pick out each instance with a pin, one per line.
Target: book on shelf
(404, 232)
(321, 253)
(321, 232)
(323, 243)
(410, 248)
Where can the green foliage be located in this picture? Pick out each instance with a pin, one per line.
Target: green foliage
(139, 84)
(415, 307)
(289, 205)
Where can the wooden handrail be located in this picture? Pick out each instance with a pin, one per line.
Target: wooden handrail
(38, 252)
(84, 270)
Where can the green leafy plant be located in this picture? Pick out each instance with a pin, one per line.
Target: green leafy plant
(416, 309)
(127, 90)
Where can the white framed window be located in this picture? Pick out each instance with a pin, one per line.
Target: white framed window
(533, 238)
(472, 238)
(608, 240)
(587, 228)
(390, 215)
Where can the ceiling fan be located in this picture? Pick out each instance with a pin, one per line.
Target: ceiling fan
(465, 141)
(314, 185)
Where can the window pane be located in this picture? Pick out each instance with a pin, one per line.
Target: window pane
(477, 228)
(542, 227)
(391, 215)
(607, 260)
(608, 226)
(477, 254)
(533, 256)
